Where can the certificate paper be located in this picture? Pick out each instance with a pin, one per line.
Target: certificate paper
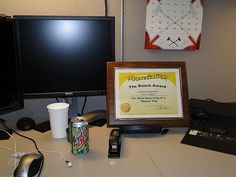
(147, 93)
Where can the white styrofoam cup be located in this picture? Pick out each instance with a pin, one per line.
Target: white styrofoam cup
(58, 116)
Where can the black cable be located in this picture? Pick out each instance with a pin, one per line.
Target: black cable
(3, 122)
(105, 1)
(85, 100)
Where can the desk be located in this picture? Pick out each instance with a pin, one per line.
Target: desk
(141, 156)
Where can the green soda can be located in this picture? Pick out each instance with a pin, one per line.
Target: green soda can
(79, 136)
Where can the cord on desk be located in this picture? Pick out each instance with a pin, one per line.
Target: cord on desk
(17, 155)
(85, 101)
(3, 123)
(69, 163)
(14, 142)
(9, 149)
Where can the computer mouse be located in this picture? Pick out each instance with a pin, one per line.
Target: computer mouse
(29, 165)
(25, 123)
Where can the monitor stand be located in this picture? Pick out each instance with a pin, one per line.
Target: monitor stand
(141, 129)
(73, 111)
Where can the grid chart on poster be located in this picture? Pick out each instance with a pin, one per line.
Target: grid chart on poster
(172, 24)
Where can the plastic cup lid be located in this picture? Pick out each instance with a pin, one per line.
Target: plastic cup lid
(58, 106)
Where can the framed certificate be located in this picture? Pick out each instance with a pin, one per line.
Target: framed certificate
(147, 93)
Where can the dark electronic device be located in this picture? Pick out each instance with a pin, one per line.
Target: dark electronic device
(213, 108)
(29, 165)
(25, 124)
(11, 98)
(114, 144)
(96, 118)
(10, 95)
(94, 115)
(213, 126)
(64, 56)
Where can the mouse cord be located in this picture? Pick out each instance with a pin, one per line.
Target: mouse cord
(56, 152)
(68, 163)
(14, 142)
(28, 139)
(9, 149)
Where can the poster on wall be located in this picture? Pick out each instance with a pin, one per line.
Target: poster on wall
(172, 24)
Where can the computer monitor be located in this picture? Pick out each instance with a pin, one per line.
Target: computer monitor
(64, 56)
(10, 95)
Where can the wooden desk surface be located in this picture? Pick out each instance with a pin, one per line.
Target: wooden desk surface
(141, 156)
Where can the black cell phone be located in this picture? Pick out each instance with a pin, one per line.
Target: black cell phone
(114, 144)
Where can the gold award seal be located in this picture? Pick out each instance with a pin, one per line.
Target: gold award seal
(125, 107)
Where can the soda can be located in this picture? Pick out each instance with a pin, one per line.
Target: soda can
(79, 136)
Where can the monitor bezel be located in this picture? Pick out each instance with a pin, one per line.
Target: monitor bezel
(20, 105)
(73, 93)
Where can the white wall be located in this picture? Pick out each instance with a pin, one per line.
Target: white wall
(211, 70)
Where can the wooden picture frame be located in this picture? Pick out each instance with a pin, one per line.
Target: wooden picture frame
(147, 93)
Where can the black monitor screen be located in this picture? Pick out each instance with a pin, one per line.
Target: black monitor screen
(10, 97)
(65, 56)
